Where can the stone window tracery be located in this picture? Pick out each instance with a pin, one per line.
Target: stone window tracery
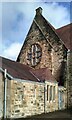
(34, 54)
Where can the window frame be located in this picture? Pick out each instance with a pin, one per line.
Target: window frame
(51, 92)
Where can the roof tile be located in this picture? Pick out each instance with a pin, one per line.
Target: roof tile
(21, 71)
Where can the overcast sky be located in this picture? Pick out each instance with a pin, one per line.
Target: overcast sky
(17, 18)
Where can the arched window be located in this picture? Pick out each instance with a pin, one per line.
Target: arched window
(34, 54)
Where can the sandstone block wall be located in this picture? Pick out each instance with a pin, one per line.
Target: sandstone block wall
(35, 36)
(8, 98)
(27, 98)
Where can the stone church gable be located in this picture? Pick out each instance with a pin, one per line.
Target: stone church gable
(35, 36)
(53, 50)
(41, 29)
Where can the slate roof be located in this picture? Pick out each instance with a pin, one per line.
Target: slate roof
(17, 70)
(43, 74)
(21, 71)
(65, 33)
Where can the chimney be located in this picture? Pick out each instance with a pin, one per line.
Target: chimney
(39, 11)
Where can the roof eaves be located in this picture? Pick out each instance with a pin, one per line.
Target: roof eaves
(31, 81)
(20, 80)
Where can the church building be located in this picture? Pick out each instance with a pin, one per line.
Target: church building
(40, 80)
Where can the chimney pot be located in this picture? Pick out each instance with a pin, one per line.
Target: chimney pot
(39, 11)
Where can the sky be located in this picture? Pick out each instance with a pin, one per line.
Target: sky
(16, 19)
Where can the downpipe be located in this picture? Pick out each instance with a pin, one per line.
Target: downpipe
(5, 92)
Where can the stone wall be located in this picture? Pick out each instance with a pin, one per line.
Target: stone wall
(26, 98)
(59, 64)
(8, 97)
(35, 36)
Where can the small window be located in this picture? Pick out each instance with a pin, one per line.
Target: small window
(50, 93)
(47, 92)
(35, 93)
(34, 54)
(53, 92)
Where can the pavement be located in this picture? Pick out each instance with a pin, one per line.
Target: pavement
(56, 115)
